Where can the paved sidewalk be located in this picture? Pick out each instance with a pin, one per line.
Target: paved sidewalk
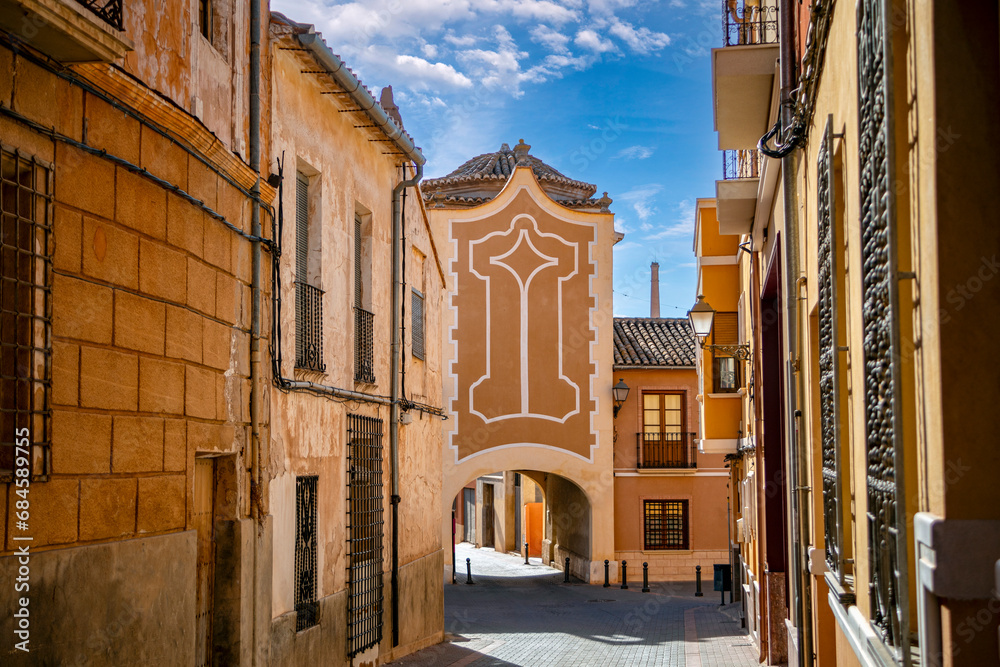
(517, 614)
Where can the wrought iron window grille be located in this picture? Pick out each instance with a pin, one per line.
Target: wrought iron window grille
(364, 346)
(745, 23)
(417, 330)
(308, 327)
(665, 524)
(306, 560)
(365, 495)
(26, 187)
(888, 580)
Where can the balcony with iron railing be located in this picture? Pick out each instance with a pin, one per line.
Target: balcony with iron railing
(741, 164)
(69, 32)
(308, 327)
(747, 22)
(665, 450)
(364, 346)
(109, 11)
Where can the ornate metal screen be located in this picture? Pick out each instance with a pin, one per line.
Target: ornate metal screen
(364, 503)
(829, 356)
(888, 574)
(666, 524)
(306, 561)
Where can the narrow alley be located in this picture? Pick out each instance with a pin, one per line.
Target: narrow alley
(517, 614)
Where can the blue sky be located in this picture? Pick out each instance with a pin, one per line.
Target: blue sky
(612, 92)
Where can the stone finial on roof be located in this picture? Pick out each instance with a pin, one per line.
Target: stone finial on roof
(389, 105)
(604, 202)
(521, 151)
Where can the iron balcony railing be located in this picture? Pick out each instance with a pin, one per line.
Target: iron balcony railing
(364, 346)
(741, 164)
(308, 327)
(666, 450)
(110, 11)
(746, 22)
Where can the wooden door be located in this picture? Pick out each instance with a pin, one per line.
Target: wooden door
(203, 517)
(469, 496)
(488, 539)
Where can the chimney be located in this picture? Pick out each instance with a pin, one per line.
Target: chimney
(654, 290)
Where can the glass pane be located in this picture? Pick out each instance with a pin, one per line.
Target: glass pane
(672, 401)
(651, 401)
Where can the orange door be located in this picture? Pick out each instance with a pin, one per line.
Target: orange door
(533, 528)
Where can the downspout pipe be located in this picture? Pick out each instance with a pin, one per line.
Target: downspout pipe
(787, 74)
(257, 503)
(394, 391)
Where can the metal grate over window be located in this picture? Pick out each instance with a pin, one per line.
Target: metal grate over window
(25, 314)
(306, 563)
(365, 507)
(666, 523)
(364, 346)
(417, 330)
(308, 298)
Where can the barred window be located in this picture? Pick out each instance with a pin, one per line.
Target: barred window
(417, 330)
(364, 319)
(25, 315)
(666, 524)
(308, 297)
(364, 556)
(306, 561)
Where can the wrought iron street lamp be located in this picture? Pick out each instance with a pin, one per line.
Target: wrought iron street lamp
(620, 393)
(701, 316)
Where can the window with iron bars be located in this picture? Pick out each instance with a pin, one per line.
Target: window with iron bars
(666, 524)
(308, 297)
(306, 560)
(25, 316)
(417, 329)
(365, 523)
(364, 320)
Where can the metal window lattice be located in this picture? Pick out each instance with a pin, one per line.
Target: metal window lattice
(25, 312)
(365, 523)
(829, 356)
(110, 11)
(364, 346)
(306, 562)
(666, 524)
(888, 576)
(417, 330)
(309, 327)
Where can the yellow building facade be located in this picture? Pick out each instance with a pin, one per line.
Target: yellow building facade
(869, 206)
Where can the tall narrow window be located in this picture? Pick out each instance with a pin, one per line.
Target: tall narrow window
(205, 18)
(417, 328)
(887, 533)
(725, 369)
(25, 316)
(364, 319)
(308, 297)
(666, 524)
(663, 442)
(306, 562)
(364, 554)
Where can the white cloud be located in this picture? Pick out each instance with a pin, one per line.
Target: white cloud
(415, 68)
(540, 10)
(460, 40)
(635, 153)
(498, 67)
(553, 40)
(642, 40)
(682, 225)
(608, 7)
(590, 40)
(641, 199)
(430, 50)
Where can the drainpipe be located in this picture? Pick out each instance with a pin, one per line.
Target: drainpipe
(256, 478)
(787, 59)
(394, 395)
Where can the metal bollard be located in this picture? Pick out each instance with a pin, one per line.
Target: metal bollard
(468, 571)
(526, 554)
(624, 575)
(606, 584)
(566, 573)
(645, 577)
(697, 574)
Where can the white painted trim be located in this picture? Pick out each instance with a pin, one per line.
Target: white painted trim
(867, 647)
(718, 445)
(732, 394)
(719, 260)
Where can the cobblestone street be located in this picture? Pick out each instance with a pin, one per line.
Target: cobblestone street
(524, 615)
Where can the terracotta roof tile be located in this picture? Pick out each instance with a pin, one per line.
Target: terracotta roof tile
(653, 342)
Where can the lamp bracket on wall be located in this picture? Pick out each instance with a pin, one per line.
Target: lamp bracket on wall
(737, 351)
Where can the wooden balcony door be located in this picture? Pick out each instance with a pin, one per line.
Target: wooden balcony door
(663, 441)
